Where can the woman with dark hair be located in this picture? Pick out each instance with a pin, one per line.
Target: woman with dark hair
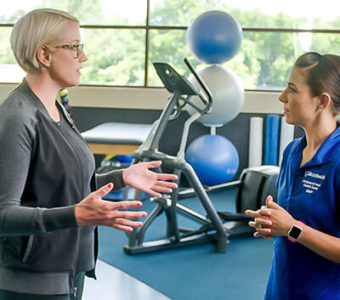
(305, 221)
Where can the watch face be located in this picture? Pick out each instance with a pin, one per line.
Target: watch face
(295, 232)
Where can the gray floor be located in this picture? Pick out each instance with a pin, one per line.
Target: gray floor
(114, 284)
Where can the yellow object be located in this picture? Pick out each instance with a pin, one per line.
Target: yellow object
(63, 92)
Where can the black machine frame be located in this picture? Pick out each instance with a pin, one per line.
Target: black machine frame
(215, 226)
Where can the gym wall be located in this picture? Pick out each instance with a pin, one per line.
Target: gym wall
(92, 106)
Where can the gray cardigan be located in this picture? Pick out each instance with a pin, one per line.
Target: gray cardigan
(45, 169)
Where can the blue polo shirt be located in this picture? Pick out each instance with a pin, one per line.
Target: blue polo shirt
(311, 194)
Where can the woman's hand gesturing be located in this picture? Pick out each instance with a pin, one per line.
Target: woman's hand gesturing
(93, 210)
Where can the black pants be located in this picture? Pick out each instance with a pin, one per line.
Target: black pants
(78, 283)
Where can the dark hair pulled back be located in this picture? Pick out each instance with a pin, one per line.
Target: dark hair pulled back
(323, 75)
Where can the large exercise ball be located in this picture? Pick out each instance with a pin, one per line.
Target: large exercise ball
(214, 37)
(214, 159)
(227, 93)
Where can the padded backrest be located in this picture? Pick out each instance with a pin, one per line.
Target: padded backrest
(256, 184)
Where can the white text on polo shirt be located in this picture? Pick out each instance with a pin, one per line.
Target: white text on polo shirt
(314, 175)
(312, 186)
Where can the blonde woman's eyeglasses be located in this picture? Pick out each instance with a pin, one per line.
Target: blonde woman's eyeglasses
(77, 48)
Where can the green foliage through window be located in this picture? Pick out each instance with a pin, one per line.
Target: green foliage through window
(121, 43)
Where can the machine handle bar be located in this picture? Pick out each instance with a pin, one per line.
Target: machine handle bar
(206, 100)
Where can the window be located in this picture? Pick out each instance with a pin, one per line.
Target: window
(123, 38)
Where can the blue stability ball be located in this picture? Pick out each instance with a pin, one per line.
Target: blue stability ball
(214, 159)
(214, 37)
(125, 159)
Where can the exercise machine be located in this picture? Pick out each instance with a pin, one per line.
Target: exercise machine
(214, 226)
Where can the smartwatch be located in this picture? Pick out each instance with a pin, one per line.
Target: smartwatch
(295, 231)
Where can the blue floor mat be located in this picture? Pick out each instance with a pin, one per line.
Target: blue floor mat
(195, 272)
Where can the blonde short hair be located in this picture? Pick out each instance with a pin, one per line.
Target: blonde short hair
(38, 27)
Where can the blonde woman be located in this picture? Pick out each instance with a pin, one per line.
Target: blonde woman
(49, 201)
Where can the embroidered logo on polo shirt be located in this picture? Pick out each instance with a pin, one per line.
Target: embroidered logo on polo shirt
(314, 183)
(314, 175)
